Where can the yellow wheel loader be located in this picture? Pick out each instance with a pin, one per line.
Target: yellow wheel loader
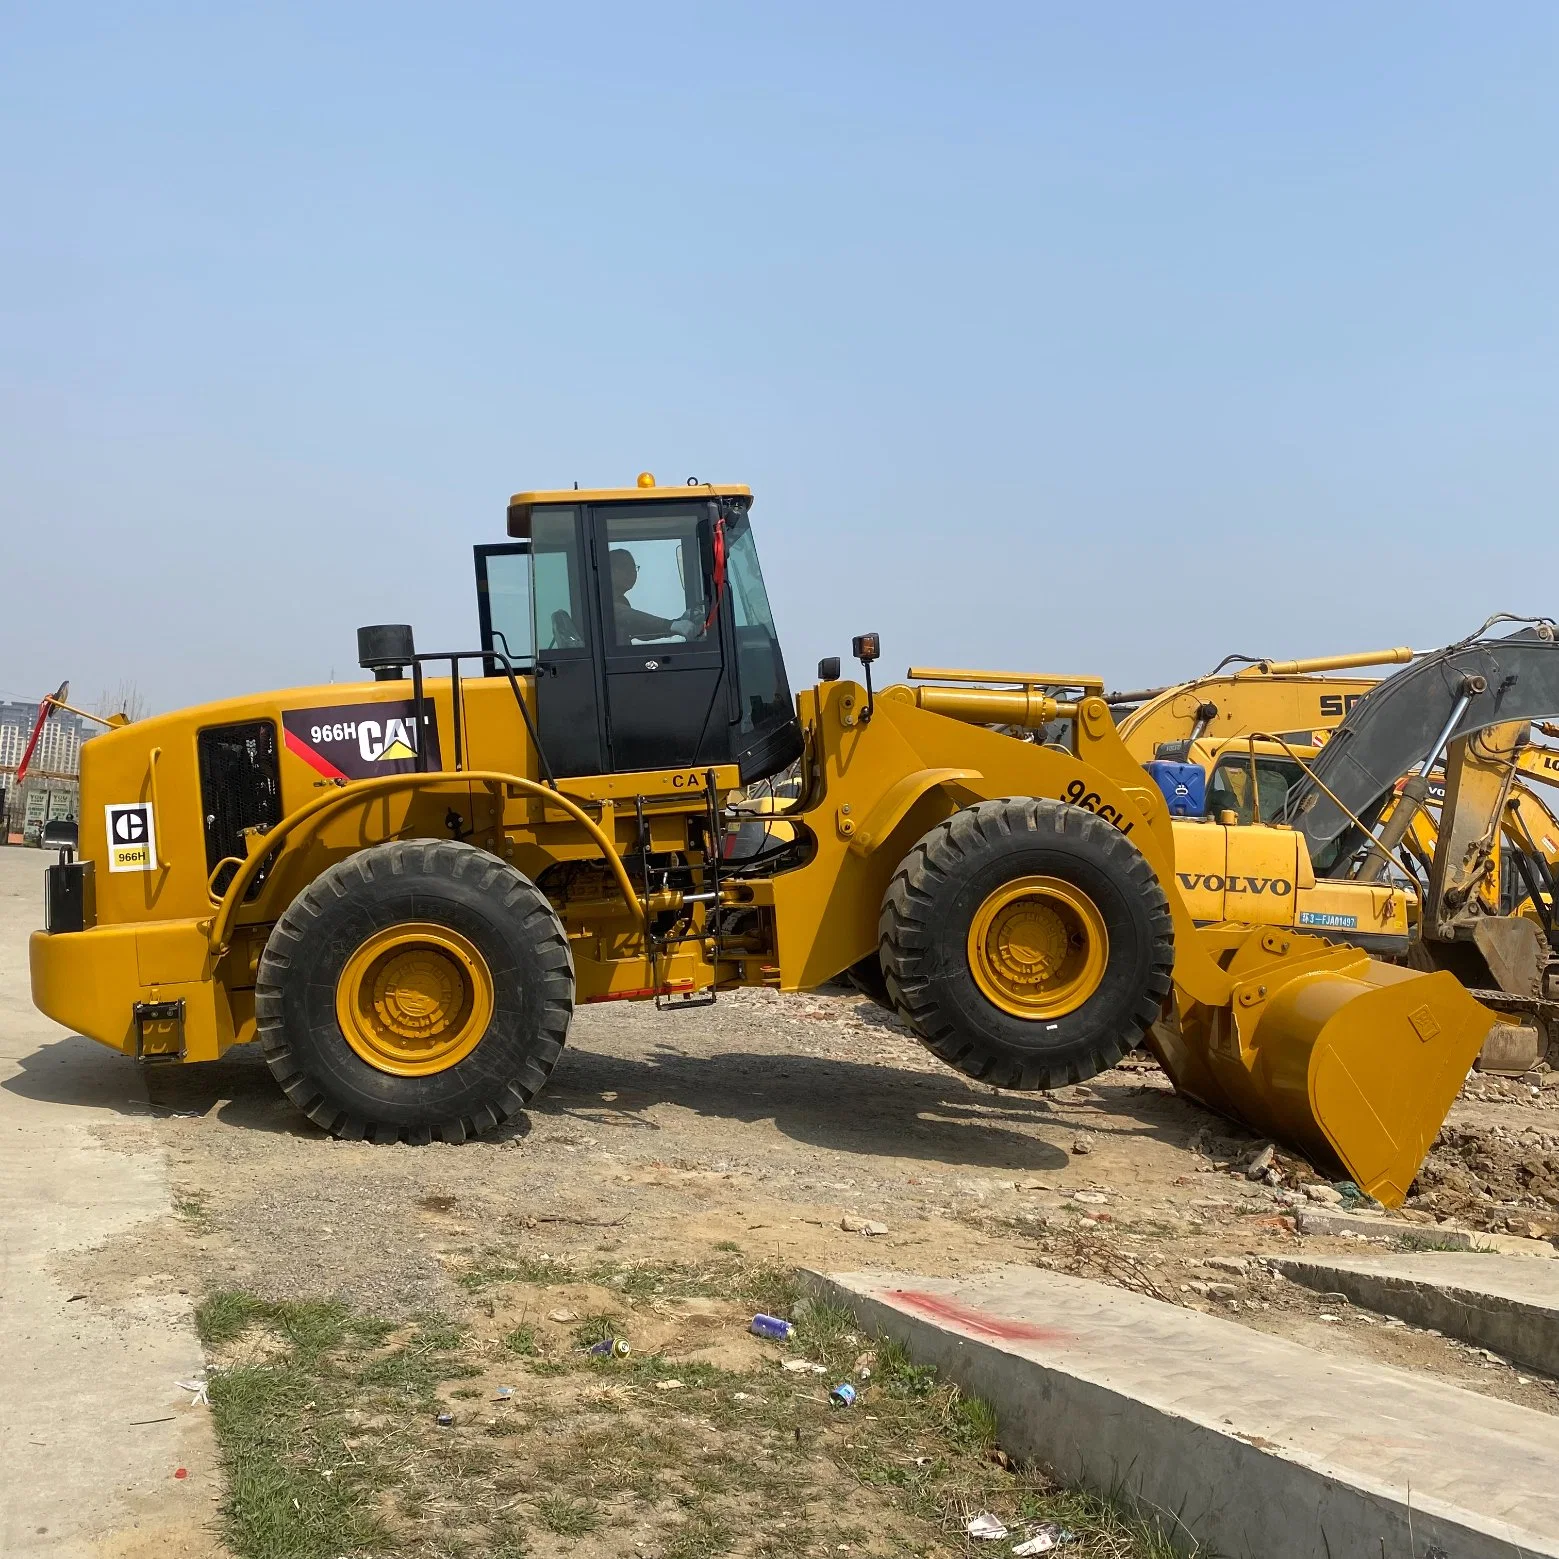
(401, 888)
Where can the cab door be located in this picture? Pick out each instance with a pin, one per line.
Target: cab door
(570, 715)
(669, 702)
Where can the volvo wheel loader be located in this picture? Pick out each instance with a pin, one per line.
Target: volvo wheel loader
(1455, 868)
(402, 887)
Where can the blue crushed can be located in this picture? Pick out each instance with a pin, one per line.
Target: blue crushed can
(843, 1395)
(772, 1327)
(610, 1348)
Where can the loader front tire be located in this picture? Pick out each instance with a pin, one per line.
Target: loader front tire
(1027, 943)
(417, 989)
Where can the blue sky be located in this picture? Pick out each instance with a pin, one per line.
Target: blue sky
(1102, 338)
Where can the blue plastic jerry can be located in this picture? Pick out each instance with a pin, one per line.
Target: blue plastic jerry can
(1184, 786)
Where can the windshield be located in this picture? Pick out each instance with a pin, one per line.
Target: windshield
(765, 695)
(1230, 788)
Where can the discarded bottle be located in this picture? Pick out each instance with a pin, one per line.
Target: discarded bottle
(772, 1327)
(843, 1395)
(610, 1348)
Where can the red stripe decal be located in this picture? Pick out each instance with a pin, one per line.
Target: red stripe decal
(639, 995)
(301, 749)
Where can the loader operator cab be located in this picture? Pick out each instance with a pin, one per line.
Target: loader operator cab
(643, 616)
(1246, 781)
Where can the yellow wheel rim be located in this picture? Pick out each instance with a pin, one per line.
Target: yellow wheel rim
(414, 999)
(1038, 947)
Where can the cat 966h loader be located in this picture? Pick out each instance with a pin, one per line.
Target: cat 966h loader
(400, 888)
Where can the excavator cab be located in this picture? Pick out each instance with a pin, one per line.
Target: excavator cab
(648, 627)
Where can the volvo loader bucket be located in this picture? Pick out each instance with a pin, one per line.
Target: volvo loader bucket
(1353, 1062)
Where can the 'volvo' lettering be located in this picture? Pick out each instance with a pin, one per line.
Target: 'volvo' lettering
(1278, 887)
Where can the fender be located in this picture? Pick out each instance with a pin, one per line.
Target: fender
(895, 804)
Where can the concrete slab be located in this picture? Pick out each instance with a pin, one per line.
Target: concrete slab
(1506, 1303)
(1384, 1229)
(92, 1426)
(1257, 1447)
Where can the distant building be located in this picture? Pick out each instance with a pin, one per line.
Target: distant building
(51, 788)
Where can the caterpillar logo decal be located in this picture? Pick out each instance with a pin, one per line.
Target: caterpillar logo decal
(1278, 887)
(360, 741)
(132, 837)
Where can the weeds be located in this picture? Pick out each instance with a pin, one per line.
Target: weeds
(522, 1340)
(567, 1517)
(332, 1444)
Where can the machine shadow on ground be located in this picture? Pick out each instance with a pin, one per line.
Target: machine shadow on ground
(833, 1103)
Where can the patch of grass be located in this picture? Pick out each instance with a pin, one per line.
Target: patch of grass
(332, 1444)
(191, 1207)
(415, 1369)
(597, 1328)
(567, 1517)
(522, 1340)
(900, 1374)
(729, 1245)
(279, 1502)
(314, 1440)
(494, 1268)
(221, 1317)
(702, 1534)
(972, 1423)
(1422, 1242)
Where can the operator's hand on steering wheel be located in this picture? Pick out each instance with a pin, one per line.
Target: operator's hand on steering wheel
(688, 627)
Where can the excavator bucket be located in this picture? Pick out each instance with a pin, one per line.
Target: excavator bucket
(1355, 1063)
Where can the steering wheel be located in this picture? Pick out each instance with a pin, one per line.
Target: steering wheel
(565, 636)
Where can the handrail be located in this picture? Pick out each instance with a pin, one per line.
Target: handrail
(315, 810)
(163, 863)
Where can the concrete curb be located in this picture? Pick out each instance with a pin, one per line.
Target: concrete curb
(1165, 1408)
(1381, 1226)
(1500, 1302)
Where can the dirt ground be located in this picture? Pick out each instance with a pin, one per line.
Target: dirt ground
(767, 1126)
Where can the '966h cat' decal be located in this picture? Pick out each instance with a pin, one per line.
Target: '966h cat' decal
(360, 741)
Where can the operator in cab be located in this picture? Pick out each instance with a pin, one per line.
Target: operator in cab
(632, 624)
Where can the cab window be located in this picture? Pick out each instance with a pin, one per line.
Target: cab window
(764, 692)
(506, 584)
(1230, 788)
(657, 585)
(557, 575)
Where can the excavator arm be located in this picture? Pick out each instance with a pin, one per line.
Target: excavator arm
(1404, 727)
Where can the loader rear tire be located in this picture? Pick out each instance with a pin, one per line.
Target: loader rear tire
(1027, 943)
(417, 989)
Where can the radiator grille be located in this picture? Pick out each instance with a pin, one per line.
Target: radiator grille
(240, 787)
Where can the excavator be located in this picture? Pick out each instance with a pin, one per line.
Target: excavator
(1473, 848)
(402, 887)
